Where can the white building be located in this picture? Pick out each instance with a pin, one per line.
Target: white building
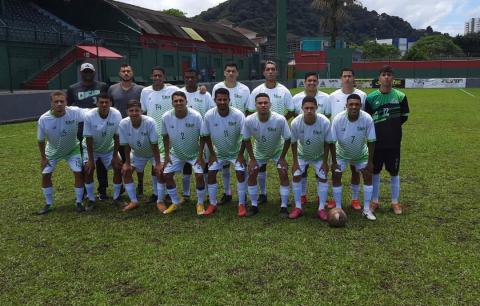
(472, 26)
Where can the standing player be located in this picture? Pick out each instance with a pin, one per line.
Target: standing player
(222, 127)
(181, 134)
(389, 110)
(156, 100)
(354, 132)
(59, 127)
(281, 103)
(323, 107)
(338, 102)
(272, 139)
(310, 146)
(139, 136)
(124, 91)
(102, 143)
(239, 95)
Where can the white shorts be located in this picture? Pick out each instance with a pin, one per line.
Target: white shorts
(74, 162)
(220, 163)
(139, 162)
(359, 165)
(264, 162)
(106, 158)
(176, 165)
(317, 164)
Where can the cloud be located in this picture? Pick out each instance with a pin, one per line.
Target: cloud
(191, 7)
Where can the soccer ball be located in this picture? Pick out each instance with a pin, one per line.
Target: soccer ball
(337, 217)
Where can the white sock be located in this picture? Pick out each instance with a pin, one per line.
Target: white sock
(253, 192)
(262, 182)
(337, 195)
(284, 193)
(172, 192)
(79, 194)
(154, 185)
(212, 193)
(322, 194)
(355, 191)
(186, 184)
(117, 188)
(395, 188)
(48, 194)
(297, 193)
(304, 186)
(90, 191)
(160, 192)
(130, 188)
(376, 187)
(226, 181)
(367, 196)
(200, 195)
(242, 192)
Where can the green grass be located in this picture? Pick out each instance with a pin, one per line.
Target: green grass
(428, 255)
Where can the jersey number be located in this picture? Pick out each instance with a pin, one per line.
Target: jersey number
(182, 134)
(385, 111)
(139, 143)
(225, 133)
(353, 138)
(264, 139)
(308, 142)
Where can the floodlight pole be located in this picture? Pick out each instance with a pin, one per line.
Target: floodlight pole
(281, 39)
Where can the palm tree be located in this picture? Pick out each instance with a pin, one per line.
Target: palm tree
(335, 11)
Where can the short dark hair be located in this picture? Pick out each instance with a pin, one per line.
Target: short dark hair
(222, 91)
(191, 70)
(386, 69)
(270, 63)
(126, 65)
(104, 95)
(230, 65)
(311, 73)
(347, 69)
(180, 93)
(159, 69)
(354, 97)
(309, 99)
(133, 103)
(262, 95)
(58, 93)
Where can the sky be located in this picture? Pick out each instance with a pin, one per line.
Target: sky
(446, 16)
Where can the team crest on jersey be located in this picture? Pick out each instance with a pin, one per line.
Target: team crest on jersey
(237, 96)
(277, 96)
(197, 100)
(166, 97)
(270, 129)
(361, 128)
(189, 125)
(394, 102)
(232, 123)
(110, 124)
(315, 132)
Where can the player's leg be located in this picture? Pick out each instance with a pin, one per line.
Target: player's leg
(297, 186)
(322, 190)
(284, 190)
(304, 185)
(175, 165)
(337, 182)
(378, 161)
(355, 188)
(187, 173)
(253, 189)
(227, 188)
(75, 164)
(241, 189)
(199, 186)
(47, 187)
(89, 182)
(367, 190)
(138, 165)
(117, 181)
(392, 165)
(153, 197)
(102, 177)
(140, 183)
(213, 187)
(262, 183)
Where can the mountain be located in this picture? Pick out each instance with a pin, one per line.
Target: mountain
(359, 24)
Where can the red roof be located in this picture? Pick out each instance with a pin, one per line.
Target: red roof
(102, 52)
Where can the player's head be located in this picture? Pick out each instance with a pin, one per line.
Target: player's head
(58, 101)
(347, 77)
(158, 76)
(354, 103)
(230, 72)
(311, 80)
(270, 72)
(222, 98)
(309, 106)
(179, 101)
(262, 103)
(190, 77)
(126, 72)
(134, 109)
(87, 72)
(104, 102)
(386, 76)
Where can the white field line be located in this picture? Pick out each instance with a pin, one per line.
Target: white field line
(466, 92)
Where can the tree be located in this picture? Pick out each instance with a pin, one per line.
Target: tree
(175, 12)
(470, 43)
(373, 50)
(335, 11)
(433, 46)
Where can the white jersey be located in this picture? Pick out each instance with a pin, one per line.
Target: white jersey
(199, 102)
(225, 132)
(338, 100)
(311, 138)
(61, 132)
(155, 103)
(101, 130)
(280, 98)
(183, 133)
(352, 137)
(239, 95)
(322, 102)
(139, 139)
(269, 136)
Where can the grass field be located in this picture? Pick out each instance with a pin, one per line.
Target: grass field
(428, 255)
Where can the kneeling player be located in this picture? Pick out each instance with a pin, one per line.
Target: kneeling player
(101, 133)
(181, 134)
(310, 145)
(139, 136)
(59, 128)
(354, 132)
(272, 140)
(223, 125)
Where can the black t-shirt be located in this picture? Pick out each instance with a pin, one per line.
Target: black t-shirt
(85, 97)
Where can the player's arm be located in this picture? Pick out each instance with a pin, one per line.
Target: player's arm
(241, 152)
(295, 165)
(43, 156)
(166, 146)
(213, 155)
(90, 166)
(116, 147)
(404, 110)
(371, 149)
(156, 156)
(127, 166)
(281, 161)
(70, 96)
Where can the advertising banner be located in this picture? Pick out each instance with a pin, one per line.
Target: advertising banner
(436, 83)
